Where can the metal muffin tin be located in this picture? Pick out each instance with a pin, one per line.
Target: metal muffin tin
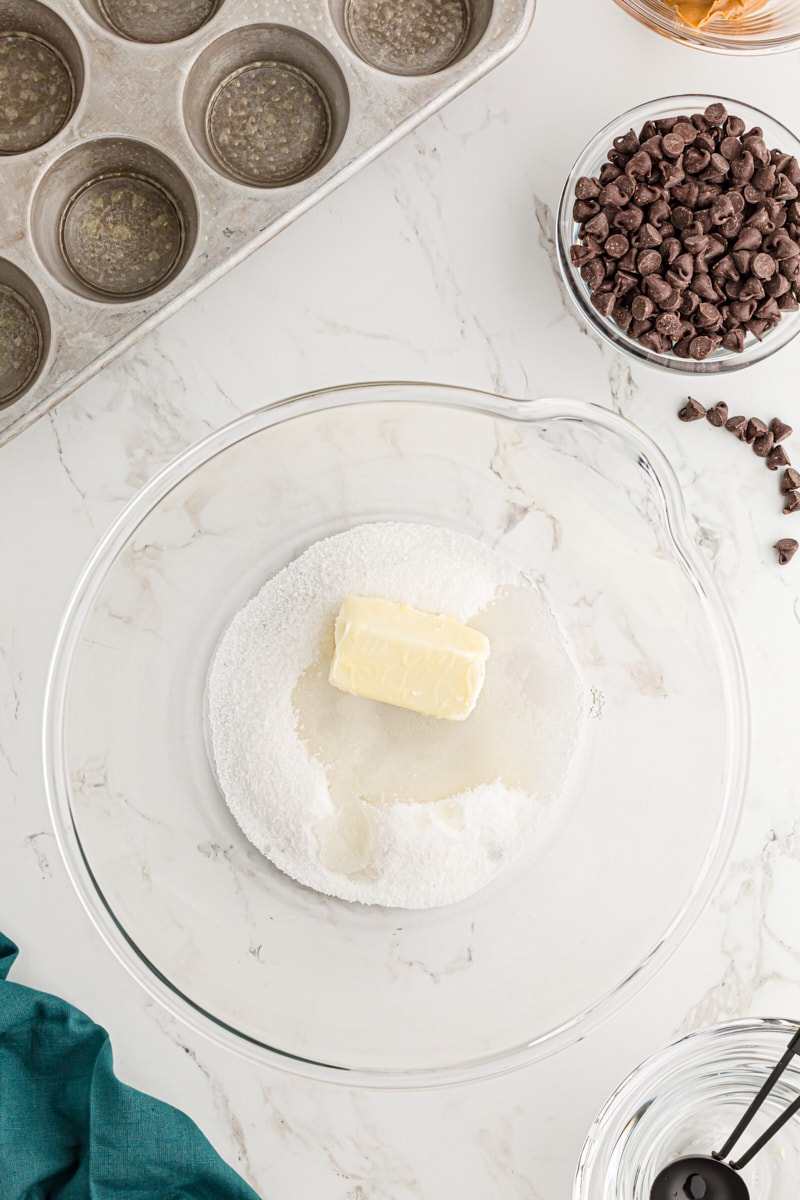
(147, 146)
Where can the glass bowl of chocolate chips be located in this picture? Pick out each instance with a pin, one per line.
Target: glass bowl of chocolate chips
(679, 234)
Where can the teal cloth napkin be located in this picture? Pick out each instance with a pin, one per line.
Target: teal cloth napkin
(69, 1130)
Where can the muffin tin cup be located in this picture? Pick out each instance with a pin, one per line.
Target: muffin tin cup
(41, 75)
(267, 106)
(24, 332)
(114, 220)
(411, 37)
(144, 21)
(185, 139)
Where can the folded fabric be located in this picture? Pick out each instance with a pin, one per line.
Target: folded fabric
(69, 1130)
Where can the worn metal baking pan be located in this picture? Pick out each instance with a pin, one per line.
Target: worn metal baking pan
(147, 146)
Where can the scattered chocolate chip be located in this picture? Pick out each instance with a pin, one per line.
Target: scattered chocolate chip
(692, 410)
(780, 431)
(755, 429)
(790, 481)
(787, 548)
(717, 415)
(792, 502)
(737, 426)
(763, 445)
(777, 458)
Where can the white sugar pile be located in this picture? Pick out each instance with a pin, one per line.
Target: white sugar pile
(365, 801)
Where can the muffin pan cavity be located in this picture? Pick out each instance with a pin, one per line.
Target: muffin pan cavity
(114, 220)
(41, 75)
(148, 146)
(412, 37)
(266, 105)
(24, 332)
(152, 20)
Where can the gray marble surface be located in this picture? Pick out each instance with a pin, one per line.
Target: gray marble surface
(436, 263)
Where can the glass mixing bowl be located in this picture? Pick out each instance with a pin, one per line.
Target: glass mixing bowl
(686, 1100)
(776, 26)
(590, 508)
(589, 163)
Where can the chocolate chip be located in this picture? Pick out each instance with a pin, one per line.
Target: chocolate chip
(708, 316)
(700, 347)
(734, 340)
(617, 245)
(785, 189)
(717, 415)
(737, 426)
(787, 548)
(716, 114)
(649, 237)
(628, 143)
(598, 226)
(642, 307)
(673, 144)
(637, 328)
(654, 341)
(790, 481)
(586, 188)
(604, 302)
(780, 431)
(784, 247)
(755, 428)
(593, 273)
(692, 410)
(764, 265)
(777, 458)
(669, 325)
(763, 445)
(648, 262)
(657, 289)
(792, 502)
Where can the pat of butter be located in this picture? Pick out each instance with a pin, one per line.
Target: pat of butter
(427, 662)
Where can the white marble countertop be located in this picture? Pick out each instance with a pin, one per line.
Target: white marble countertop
(436, 263)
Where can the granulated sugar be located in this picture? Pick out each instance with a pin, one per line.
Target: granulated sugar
(366, 801)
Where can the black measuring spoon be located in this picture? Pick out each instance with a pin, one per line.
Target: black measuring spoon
(706, 1176)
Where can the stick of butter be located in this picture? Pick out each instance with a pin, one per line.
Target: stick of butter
(427, 662)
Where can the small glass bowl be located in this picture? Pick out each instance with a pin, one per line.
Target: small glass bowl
(773, 28)
(687, 1099)
(589, 162)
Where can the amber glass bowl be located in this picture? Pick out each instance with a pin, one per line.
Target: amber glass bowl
(773, 27)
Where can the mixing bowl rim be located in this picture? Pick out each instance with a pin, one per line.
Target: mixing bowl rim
(675, 521)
